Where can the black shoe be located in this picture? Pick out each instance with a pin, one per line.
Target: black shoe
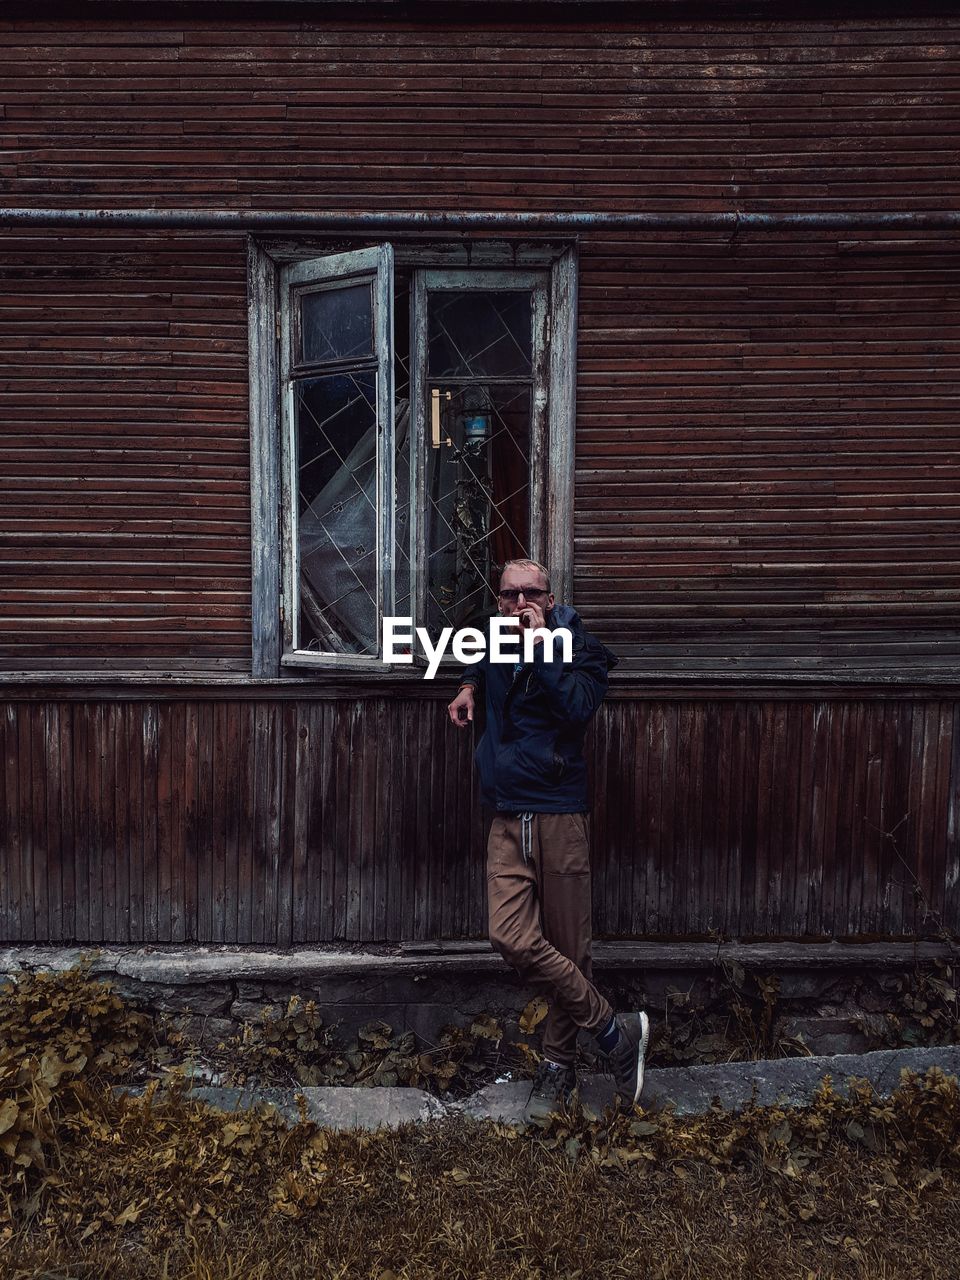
(553, 1087)
(625, 1059)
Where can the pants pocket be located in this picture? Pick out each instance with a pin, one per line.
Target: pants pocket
(566, 847)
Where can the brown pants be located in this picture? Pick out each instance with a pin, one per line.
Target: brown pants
(541, 919)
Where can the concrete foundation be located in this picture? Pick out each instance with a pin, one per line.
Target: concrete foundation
(823, 989)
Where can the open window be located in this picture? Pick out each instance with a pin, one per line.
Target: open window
(423, 436)
(337, 504)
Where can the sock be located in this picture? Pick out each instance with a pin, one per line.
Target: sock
(609, 1037)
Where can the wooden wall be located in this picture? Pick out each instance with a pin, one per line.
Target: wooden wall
(124, 453)
(766, 473)
(766, 449)
(285, 820)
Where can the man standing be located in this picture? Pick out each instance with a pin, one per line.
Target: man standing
(532, 773)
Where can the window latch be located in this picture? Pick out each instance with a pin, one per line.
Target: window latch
(435, 395)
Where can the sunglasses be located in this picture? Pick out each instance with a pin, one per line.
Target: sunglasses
(512, 594)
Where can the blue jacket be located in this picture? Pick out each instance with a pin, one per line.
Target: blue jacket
(530, 757)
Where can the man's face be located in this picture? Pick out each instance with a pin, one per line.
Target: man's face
(515, 578)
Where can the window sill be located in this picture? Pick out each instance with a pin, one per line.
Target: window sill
(327, 683)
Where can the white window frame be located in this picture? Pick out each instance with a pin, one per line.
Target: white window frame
(272, 268)
(376, 265)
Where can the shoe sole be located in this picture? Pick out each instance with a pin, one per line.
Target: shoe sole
(644, 1040)
(537, 1116)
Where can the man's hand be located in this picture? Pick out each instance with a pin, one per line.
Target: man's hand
(531, 617)
(460, 709)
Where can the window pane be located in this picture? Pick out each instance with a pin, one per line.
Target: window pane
(336, 324)
(478, 500)
(479, 334)
(336, 425)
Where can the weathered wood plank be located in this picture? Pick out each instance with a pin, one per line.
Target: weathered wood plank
(150, 904)
(113, 784)
(246, 783)
(297, 806)
(326, 914)
(220, 822)
(286, 789)
(136, 792)
(219, 854)
(16, 897)
(65, 852)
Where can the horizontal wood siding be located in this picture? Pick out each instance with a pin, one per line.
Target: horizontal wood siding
(124, 477)
(289, 821)
(769, 454)
(766, 449)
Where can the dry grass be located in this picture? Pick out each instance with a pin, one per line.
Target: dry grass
(93, 1185)
(141, 1188)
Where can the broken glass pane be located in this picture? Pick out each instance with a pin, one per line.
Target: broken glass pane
(475, 333)
(336, 324)
(336, 424)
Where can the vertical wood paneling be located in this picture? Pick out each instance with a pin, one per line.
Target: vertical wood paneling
(113, 832)
(353, 785)
(219, 873)
(697, 844)
(299, 820)
(851, 865)
(730, 882)
(178, 765)
(445, 828)
(134, 744)
(191, 818)
(952, 851)
(636, 713)
(716, 804)
(277, 822)
(247, 789)
(666, 866)
(373, 749)
(25, 793)
(749, 798)
(420, 850)
(286, 843)
(37, 824)
(64, 854)
(78, 783)
(206, 878)
(651, 818)
(801, 903)
(326, 818)
(939, 874)
(872, 861)
(274, 852)
(164, 811)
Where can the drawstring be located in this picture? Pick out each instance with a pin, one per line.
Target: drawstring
(526, 835)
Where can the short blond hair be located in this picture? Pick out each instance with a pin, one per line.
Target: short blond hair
(527, 564)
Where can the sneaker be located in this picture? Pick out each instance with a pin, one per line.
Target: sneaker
(626, 1057)
(553, 1086)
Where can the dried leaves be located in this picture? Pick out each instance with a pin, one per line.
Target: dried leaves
(297, 1047)
(89, 1170)
(429, 1200)
(925, 1009)
(70, 1016)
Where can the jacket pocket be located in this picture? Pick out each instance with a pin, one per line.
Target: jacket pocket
(524, 768)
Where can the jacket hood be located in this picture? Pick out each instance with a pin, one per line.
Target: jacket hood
(564, 615)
